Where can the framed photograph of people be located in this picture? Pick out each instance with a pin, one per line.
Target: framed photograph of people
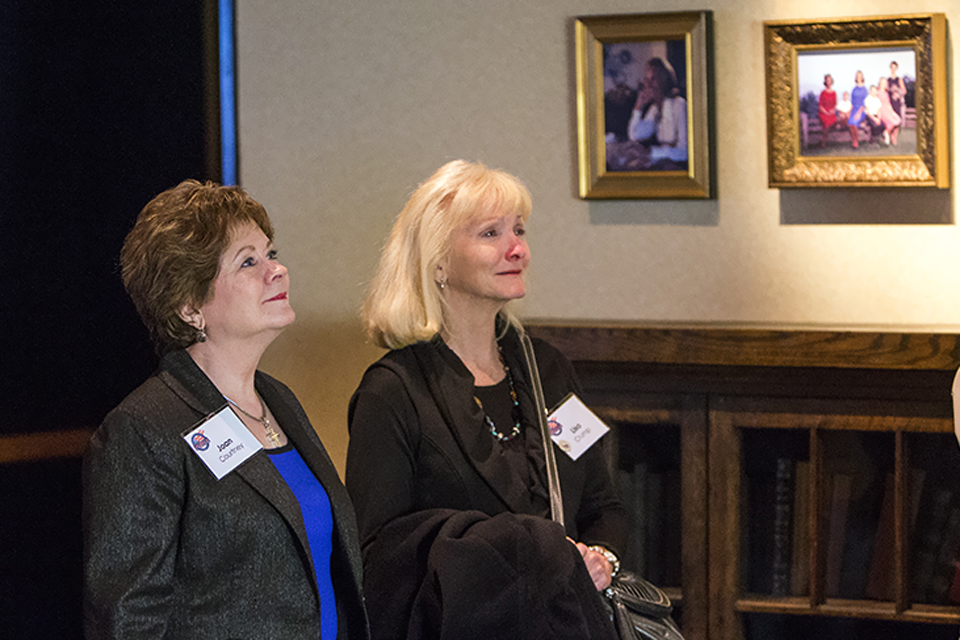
(857, 102)
(644, 119)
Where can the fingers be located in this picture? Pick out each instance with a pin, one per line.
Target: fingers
(597, 566)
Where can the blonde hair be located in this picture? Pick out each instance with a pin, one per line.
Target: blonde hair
(403, 304)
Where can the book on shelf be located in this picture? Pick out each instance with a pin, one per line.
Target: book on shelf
(929, 540)
(938, 588)
(758, 517)
(881, 581)
(651, 496)
(915, 490)
(837, 506)
(783, 498)
(672, 516)
(880, 585)
(633, 493)
(655, 527)
(800, 544)
(863, 521)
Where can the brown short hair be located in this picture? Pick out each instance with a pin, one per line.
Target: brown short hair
(172, 255)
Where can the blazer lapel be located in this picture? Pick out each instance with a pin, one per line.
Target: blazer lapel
(185, 378)
(302, 436)
(264, 478)
(451, 385)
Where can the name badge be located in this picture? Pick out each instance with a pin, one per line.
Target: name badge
(574, 428)
(222, 442)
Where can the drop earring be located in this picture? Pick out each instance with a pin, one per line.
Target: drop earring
(202, 329)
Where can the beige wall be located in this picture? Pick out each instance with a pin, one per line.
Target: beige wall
(345, 106)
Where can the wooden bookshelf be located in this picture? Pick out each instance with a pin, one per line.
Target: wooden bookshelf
(740, 398)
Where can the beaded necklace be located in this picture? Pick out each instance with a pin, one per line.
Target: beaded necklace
(515, 411)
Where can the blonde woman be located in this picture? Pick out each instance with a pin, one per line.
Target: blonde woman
(445, 463)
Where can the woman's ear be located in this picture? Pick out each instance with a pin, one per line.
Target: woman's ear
(439, 276)
(192, 316)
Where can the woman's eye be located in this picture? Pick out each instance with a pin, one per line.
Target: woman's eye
(520, 231)
(272, 254)
(489, 233)
(249, 262)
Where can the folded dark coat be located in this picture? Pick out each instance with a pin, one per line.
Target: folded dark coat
(457, 575)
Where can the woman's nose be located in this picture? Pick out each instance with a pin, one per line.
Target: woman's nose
(276, 270)
(518, 247)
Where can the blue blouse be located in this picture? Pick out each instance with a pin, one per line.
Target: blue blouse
(857, 97)
(318, 520)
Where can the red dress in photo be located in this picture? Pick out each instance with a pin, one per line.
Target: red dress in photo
(828, 108)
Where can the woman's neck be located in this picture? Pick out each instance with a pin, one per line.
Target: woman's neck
(231, 368)
(474, 340)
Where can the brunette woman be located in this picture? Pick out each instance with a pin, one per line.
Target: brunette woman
(211, 509)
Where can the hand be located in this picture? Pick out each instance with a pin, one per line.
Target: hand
(600, 570)
(644, 97)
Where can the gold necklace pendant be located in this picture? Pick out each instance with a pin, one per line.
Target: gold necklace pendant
(272, 433)
(268, 429)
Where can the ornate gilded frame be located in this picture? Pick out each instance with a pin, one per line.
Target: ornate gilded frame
(591, 33)
(925, 34)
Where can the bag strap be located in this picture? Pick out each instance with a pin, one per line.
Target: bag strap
(549, 455)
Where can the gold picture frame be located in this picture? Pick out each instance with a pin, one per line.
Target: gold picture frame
(850, 155)
(652, 154)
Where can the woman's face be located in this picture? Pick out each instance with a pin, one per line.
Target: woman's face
(859, 77)
(650, 80)
(250, 294)
(828, 81)
(893, 69)
(487, 260)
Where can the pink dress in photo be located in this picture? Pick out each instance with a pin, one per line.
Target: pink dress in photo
(889, 117)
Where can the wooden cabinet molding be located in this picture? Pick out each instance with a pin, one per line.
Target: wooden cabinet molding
(703, 345)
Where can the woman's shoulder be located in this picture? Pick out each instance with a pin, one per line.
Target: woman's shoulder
(395, 369)
(151, 417)
(550, 360)
(151, 398)
(546, 351)
(676, 103)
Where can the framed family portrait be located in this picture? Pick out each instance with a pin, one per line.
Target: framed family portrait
(857, 102)
(644, 119)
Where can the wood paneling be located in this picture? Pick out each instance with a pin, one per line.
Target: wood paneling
(699, 345)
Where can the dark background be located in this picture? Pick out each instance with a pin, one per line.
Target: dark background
(102, 106)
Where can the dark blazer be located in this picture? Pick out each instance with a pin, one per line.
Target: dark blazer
(170, 552)
(418, 441)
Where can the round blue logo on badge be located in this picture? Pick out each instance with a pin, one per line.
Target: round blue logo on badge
(200, 442)
(555, 427)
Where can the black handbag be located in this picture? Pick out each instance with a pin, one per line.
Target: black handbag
(640, 610)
